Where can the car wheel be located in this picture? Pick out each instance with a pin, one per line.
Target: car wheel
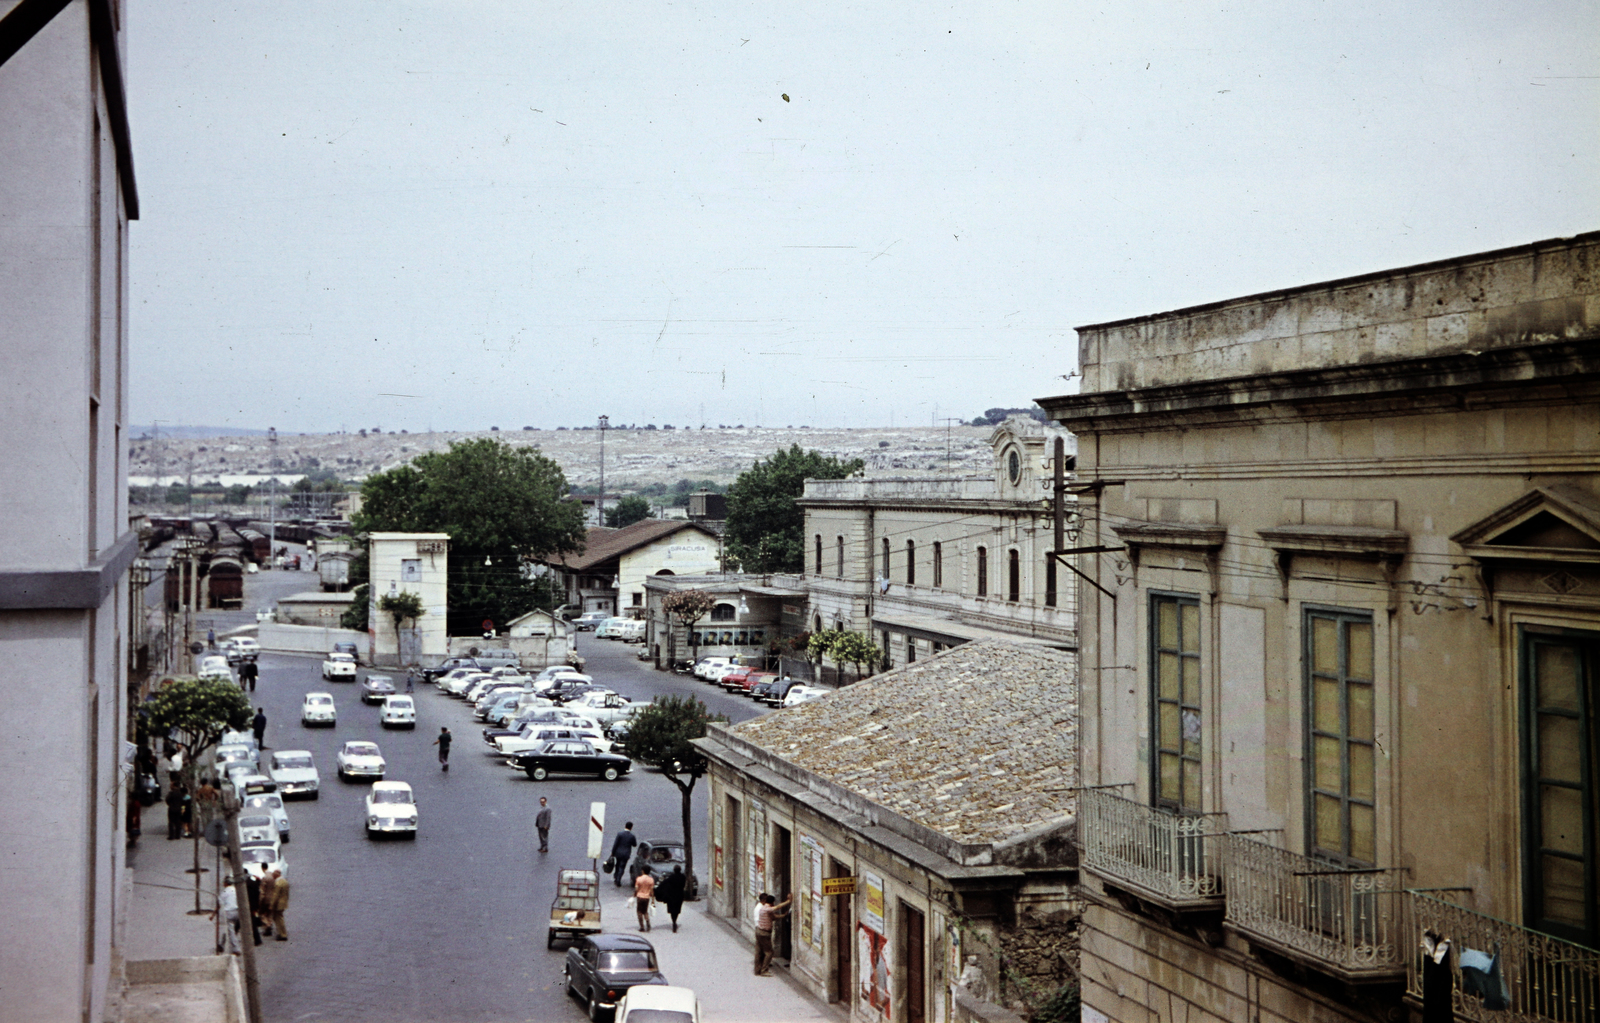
(316, 794)
(594, 1007)
(342, 775)
(572, 989)
(611, 774)
(538, 773)
(285, 838)
(550, 942)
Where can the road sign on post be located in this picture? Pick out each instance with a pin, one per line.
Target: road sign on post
(597, 830)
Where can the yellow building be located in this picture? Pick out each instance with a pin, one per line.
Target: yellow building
(1342, 666)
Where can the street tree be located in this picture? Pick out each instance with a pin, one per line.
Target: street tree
(199, 710)
(402, 607)
(627, 511)
(855, 648)
(820, 646)
(503, 509)
(355, 616)
(661, 735)
(686, 607)
(766, 529)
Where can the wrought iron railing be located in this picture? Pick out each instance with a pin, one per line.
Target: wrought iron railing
(1546, 980)
(1345, 922)
(1172, 858)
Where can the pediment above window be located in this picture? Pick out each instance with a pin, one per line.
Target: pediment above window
(1545, 524)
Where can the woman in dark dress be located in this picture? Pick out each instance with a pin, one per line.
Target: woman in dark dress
(670, 892)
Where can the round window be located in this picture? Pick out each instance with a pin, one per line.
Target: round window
(1014, 466)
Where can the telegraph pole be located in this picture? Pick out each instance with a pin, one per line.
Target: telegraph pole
(272, 499)
(605, 421)
(241, 894)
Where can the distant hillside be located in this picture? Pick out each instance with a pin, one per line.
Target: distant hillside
(194, 432)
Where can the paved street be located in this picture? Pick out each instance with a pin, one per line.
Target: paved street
(451, 926)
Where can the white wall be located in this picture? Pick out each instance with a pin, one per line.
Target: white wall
(388, 551)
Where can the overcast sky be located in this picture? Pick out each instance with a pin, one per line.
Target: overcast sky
(464, 214)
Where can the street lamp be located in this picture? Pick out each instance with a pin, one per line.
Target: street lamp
(605, 421)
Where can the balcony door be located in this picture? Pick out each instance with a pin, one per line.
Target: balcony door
(1561, 823)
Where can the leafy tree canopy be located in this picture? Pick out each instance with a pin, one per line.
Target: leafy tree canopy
(766, 529)
(502, 508)
(355, 616)
(661, 735)
(627, 511)
(200, 709)
(401, 607)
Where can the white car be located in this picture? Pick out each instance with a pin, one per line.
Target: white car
(245, 738)
(214, 666)
(611, 628)
(246, 646)
(318, 709)
(802, 694)
(262, 858)
(398, 712)
(296, 773)
(228, 754)
(360, 759)
(604, 708)
(455, 684)
(391, 809)
(589, 619)
(533, 736)
(265, 614)
(246, 784)
(704, 666)
(558, 669)
(268, 804)
(542, 684)
(339, 667)
(257, 829)
(653, 1003)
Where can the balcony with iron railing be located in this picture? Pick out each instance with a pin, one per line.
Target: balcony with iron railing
(1173, 860)
(1348, 923)
(1545, 979)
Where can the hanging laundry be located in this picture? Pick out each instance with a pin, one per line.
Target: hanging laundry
(1438, 986)
(1480, 975)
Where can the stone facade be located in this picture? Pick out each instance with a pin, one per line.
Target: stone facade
(945, 789)
(1357, 535)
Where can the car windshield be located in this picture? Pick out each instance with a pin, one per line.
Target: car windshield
(391, 796)
(343, 658)
(628, 962)
(255, 822)
(263, 802)
(259, 854)
(361, 749)
(319, 701)
(379, 680)
(658, 1016)
(666, 854)
(290, 763)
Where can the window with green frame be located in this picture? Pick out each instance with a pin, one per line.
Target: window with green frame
(1175, 700)
(1341, 796)
(1561, 822)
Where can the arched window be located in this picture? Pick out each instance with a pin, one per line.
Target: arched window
(1014, 576)
(911, 562)
(938, 564)
(816, 623)
(886, 557)
(983, 571)
(819, 553)
(839, 569)
(723, 613)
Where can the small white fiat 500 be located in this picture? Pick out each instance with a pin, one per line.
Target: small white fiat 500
(391, 810)
(317, 710)
(359, 759)
(398, 712)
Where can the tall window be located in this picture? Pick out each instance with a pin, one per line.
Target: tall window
(1339, 738)
(819, 553)
(723, 613)
(1175, 707)
(938, 564)
(1013, 576)
(1561, 744)
(911, 562)
(839, 548)
(1050, 581)
(886, 558)
(983, 571)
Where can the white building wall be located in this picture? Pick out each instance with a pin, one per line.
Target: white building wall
(686, 552)
(404, 563)
(64, 542)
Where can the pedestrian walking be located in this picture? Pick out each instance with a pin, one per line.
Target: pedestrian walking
(269, 888)
(247, 675)
(644, 894)
(542, 822)
(671, 891)
(186, 812)
(211, 638)
(768, 912)
(280, 902)
(411, 679)
(259, 726)
(622, 852)
(443, 742)
(174, 811)
(252, 892)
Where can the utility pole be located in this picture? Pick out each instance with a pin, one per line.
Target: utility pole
(272, 498)
(605, 421)
(241, 894)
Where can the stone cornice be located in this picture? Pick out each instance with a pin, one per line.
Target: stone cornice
(70, 588)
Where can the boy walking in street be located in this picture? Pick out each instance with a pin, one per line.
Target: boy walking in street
(443, 742)
(542, 822)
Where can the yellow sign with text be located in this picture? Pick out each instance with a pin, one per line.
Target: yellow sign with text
(838, 886)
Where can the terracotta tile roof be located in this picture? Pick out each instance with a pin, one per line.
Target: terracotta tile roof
(604, 544)
(978, 743)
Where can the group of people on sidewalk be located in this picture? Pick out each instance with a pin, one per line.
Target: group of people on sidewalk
(269, 899)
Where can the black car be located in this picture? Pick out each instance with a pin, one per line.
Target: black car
(658, 858)
(450, 664)
(762, 690)
(348, 648)
(375, 687)
(777, 690)
(571, 756)
(601, 968)
(560, 694)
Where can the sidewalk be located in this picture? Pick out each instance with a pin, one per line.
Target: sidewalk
(718, 963)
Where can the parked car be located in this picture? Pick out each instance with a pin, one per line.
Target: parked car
(214, 666)
(398, 712)
(376, 688)
(618, 734)
(246, 785)
(539, 716)
(658, 1003)
(295, 771)
(706, 663)
(801, 694)
(240, 738)
(603, 706)
(657, 857)
(257, 829)
(601, 968)
(454, 684)
(360, 759)
(551, 672)
(753, 681)
(734, 677)
(271, 805)
(777, 690)
(339, 668)
(572, 756)
(234, 753)
(611, 628)
(536, 735)
(764, 687)
(318, 709)
(348, 648)
(566, 687)
(263, 857)
(498, 656)
(447, 666)
(590, 620)
(391, 810)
